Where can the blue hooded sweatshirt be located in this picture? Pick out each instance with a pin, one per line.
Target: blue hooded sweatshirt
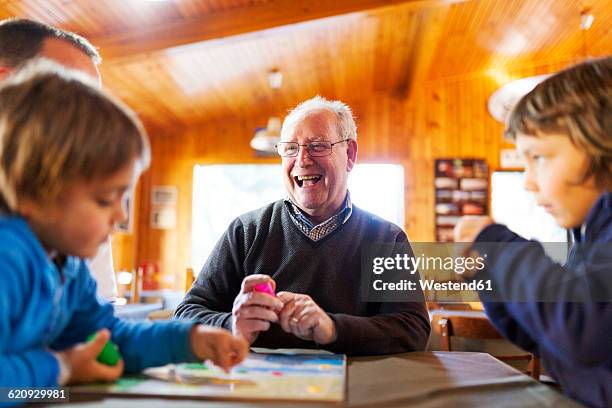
(574, 339)
(43, 309)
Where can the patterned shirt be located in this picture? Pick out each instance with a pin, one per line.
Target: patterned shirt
(319, 231)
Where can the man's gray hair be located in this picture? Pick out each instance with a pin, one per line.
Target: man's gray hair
(347, 129)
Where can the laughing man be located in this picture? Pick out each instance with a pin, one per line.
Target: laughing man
(308, 248)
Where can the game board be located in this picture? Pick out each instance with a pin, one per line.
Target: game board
(289, 375)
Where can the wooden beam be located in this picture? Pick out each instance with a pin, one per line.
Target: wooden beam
(145, 40)
(430, 28)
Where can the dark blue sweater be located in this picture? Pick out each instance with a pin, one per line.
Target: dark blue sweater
(574, 339)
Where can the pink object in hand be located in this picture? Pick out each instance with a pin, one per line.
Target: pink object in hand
(265, 288)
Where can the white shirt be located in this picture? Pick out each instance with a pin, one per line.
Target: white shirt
(101, 268)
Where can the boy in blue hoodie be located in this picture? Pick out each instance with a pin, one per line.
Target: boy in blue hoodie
(563, 128)
(69, 153)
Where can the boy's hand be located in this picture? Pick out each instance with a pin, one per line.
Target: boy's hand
(218, 345)
(468, 227)
(83, 364)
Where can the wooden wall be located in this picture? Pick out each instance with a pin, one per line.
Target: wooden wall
(444, 118)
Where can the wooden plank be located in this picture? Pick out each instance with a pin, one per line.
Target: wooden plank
(144, 40)
(446, 119)
(430, 28)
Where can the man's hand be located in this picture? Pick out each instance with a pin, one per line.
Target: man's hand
(218, 345)
(83, 364)
(305, 319)
(254, 311)
(468, 227)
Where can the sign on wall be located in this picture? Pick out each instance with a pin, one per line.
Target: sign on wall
(163, 207)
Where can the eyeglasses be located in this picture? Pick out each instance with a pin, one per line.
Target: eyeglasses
(315, 149)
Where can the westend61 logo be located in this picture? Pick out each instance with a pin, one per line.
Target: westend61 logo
(424, 263)
(462, 272)
(403, 272)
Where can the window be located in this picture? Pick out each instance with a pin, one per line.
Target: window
(223, 192)
(516, 208)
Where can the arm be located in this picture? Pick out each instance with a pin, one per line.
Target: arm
(35, 367)
(211, 297)
(579, 330)
(395, 328)
(509, 327)
(142, 344)
(392, 327)
(29, 368)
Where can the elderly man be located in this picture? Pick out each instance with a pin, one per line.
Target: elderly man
(308, 246)
(22, 40)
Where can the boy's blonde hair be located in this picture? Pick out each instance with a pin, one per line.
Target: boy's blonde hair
(578, 102)
(57, 127)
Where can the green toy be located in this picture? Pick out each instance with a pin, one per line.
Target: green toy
(109, 354)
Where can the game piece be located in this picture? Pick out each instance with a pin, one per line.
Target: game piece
(264, 288)
(109, 354)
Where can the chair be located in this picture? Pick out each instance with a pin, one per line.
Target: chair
(477, 327)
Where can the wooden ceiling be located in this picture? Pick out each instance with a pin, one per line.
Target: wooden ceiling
(180, 62)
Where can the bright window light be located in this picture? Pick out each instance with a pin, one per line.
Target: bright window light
(516, 208)
(223, 192)
(379, 189)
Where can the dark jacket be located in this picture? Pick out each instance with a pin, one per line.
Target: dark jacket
(574, 339)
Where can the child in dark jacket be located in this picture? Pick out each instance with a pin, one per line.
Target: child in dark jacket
(68, 155)
(563, 128)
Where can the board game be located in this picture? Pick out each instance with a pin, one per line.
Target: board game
(288, 375)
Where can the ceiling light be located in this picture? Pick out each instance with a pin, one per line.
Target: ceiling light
(275, 78)
(586, 20)
(505, 98)
(265, 139)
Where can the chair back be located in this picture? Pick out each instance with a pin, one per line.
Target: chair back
(477, 327)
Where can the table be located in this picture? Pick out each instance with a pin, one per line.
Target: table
(423, 379)
(136, 311)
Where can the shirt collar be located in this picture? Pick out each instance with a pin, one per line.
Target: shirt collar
(597, 219)
(344, 214)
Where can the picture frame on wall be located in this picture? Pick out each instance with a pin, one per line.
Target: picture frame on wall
(163, 207)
